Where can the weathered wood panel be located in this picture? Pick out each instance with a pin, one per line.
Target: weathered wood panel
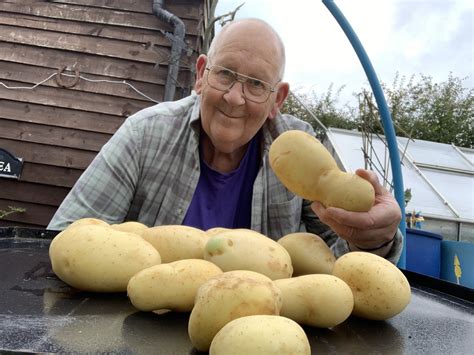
(60, 117)
(95, 15)
(48, 155)
(182, 8)
(35, 215)
(114, 68)
(50, 175)
(84, 44)
(147, 37)
(97, 84)
(64, 137)
(120, 51)
(67, 98)
(32, 193)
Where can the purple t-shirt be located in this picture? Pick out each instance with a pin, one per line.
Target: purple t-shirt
(225, 199)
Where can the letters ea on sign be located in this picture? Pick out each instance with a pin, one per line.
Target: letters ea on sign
(10, 166)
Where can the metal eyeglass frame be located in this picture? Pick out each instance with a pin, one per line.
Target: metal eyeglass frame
(243, 79)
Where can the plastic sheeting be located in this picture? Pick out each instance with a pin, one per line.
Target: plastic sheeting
(440, 176)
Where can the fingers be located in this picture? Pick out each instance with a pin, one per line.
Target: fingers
(371, 238)
(364, 229)
(371, 177)
(382, 214)
(361, 228)
(359, 220)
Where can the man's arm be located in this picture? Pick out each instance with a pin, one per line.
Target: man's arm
(106, 188)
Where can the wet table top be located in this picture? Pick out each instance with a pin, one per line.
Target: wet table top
(40, 313)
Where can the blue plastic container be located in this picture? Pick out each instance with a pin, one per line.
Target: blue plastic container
(423, 252)
(457, 262)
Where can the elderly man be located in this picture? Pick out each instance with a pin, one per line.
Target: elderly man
(203, 161)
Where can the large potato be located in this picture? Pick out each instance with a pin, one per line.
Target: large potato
(88, 221)
(216, 230)
(243, 249)
(307, 169)
(98, 258)
(176, 242)
(130, 226)
(229, 296)
(170, 286)
(321, 300)
(380, 289)
(262, 335)
(309, 253)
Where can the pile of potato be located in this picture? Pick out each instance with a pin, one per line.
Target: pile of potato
(244, 291)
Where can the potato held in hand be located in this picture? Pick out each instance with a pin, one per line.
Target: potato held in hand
(380, 289)
(307, 169)
(100, 259)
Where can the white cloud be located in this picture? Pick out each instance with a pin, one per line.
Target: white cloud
(430, 37)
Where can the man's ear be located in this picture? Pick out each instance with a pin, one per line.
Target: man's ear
(282, 93)
(200, 69)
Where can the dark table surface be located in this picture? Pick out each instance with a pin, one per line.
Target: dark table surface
(40, 313)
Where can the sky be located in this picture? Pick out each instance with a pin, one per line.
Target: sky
(408, 37)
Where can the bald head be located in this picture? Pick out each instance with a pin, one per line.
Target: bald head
(263, 35)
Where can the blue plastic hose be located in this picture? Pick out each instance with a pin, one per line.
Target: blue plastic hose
(387, 123)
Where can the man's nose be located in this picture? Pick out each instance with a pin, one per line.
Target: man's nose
(235, 94)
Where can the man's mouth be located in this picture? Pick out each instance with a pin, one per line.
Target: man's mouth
(231, 115)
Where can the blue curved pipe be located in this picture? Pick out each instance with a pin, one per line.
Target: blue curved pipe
(387, 123)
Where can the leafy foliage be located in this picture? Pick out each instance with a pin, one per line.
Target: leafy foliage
(323, 109)
(439, 112)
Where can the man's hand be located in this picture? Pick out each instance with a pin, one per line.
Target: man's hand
(366, 230)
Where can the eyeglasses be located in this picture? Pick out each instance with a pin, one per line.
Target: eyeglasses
(253, 89)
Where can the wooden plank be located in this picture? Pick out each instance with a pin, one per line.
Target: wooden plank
(32, 193)
(152, 53)
(90, 83)
(97, 16)
(143, 36)
(35, 214)
(45, 134)
(185, 9)
(50, 175)
(66, 98)
(59, 117)
(114, 68)
(87, 64)
(124, 5)
(48, 155)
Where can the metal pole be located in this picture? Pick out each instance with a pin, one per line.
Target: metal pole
(384, 114)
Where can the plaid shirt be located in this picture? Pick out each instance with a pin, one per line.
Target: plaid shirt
(149, 169)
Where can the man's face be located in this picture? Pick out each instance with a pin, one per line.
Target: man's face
(228, 118)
